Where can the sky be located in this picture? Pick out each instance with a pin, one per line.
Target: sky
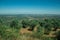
(29, 6)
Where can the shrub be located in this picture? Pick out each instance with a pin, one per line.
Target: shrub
(58, 35)
(39, 33)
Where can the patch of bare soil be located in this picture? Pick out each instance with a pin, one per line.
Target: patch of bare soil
(25, 31)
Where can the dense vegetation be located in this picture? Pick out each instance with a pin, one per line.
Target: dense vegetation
(39, 27)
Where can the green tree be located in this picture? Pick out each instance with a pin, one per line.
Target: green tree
(39, 33)
(32, 24)
(14, 24)
(58, 35)
(25, 23)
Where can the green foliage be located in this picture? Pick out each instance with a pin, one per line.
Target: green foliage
(32, 24)
(58, 35)
(39, 33)
(48, 38)
(25, 23)
(8, 33)
(1, 21)
(10, 26)
(14, 24)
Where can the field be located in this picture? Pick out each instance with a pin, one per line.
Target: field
(30, 27)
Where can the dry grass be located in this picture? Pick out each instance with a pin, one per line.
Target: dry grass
(24, 37)
(25, 31)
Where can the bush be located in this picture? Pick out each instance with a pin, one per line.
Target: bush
(48, 38)
(58, 35)
(14, 24)
(8, 33)
(39, 33)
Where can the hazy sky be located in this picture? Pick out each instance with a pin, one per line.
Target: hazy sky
(30, 6)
